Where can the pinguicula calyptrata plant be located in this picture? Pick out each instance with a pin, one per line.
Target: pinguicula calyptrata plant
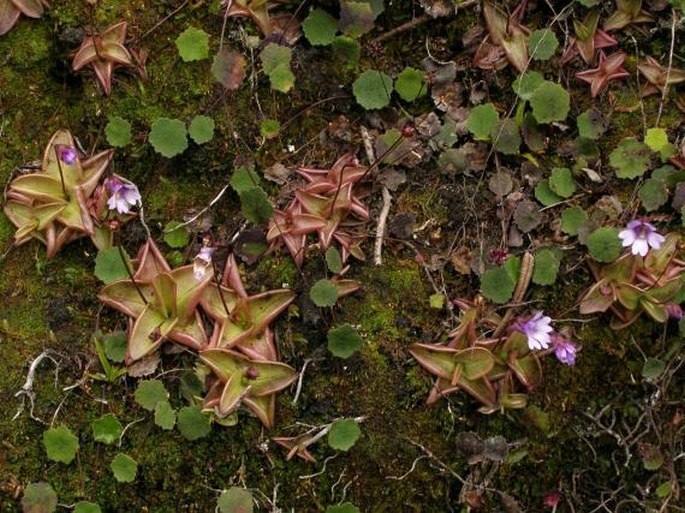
(647, 278)
(324, 206)
(488, 366)
(165, 304)
(65, 199)
(13, 9)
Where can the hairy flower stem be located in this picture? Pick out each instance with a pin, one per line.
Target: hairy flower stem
(527, 263)
(130, 274)
(61, 174)
(221, 292)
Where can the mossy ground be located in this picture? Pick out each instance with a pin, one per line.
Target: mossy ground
(52, 304)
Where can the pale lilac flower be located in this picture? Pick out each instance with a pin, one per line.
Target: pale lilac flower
(201, 262)
(66, 154)
(537, 330)
(640, 236)
(122, 195)
(564, 349)
(675, 311)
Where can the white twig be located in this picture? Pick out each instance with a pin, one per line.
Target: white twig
(141, 216)
(299, 381)
(123, 431)
(380, 229)
(201, 212)
(413, 467)
(27, 388)
(323, 469)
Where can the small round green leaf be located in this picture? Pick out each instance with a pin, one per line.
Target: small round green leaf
(561, 182)
(592, 124)
(255, 205)
(410, 84)
(107, 429)
(630, 159)
(115, 346)
(497, 285)
(150, 392)
(118, 132)
(653, 368)
(192, 423)
(165, 415)
(343, 435)
(482, 121)
(193, 44)
(505, 137)
(372, 89)
(653, 194)
(276, 65)
(168, 137)
(109, 266)
(344, 341)
(656, 139)
(664, 490)
(124, 468)
(545, 195)
(269, 128)
(60, 444)
(324, 293)
(542, 44)
(235, 500)
(527, 216)
(39, 498)
(547, 261)
(572, 219)
(175, 235)
(604, 244)
(334, 260)
(201, 129)
(436, 301)
(550, 102)
(525, 85)
(345, 507)
(87, 507)
(320, 27)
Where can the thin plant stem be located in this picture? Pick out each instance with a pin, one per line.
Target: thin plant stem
(61, 174)
(130, 274)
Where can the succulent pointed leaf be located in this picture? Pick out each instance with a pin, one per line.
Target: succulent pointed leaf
(30, 8)
(599, 298)
(527, 369)
(116, 52)
(436, 359)
(190, 333)
(476, 362)
(189, 290)
(165, 294)
(263, 407)
(655, 310)
(145, 335)
(40, 187)
(123, 296)
(9, 14)
(212, 302)
(267, 306)
(149, 263)
(480, 389)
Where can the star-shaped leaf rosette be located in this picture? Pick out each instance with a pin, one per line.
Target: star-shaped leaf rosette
(165, 304)
(489, 366)
(11, 10)
(507, 34)
(327, 206)
(647, 279)
(103, 52)
(65, 199)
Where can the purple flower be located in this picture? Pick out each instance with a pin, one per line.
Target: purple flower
(675, 311)
(122, 194)
(537, 330)
(564, 349)
(201, 262)
(640, 236)
(66, 154)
